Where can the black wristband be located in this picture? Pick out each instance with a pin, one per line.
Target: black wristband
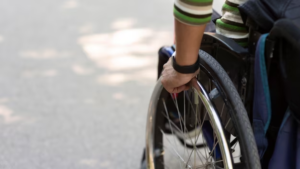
(185, 69)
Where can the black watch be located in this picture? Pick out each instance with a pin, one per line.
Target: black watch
(185, 69)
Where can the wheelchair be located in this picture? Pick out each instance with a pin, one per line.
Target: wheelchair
(210, 126)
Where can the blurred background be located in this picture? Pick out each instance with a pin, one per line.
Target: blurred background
(76, 77)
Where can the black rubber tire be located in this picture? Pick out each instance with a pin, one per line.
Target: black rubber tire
(239, 115)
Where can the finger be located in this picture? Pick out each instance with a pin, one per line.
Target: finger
(170, 90)
(187, 87)
(180, 88)
(165, 85)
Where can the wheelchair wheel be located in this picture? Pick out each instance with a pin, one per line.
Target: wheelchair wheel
(204, 127)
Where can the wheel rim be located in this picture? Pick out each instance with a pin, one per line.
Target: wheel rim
(219, 135)
(216, 124)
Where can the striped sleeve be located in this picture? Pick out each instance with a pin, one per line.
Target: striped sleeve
(231, 24)
(193, 12)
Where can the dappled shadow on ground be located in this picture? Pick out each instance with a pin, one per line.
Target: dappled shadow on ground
(127, 54)
(75, 81)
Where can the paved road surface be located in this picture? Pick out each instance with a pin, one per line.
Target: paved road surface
(75, 80)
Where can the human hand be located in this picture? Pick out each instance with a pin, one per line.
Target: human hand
(173, 81)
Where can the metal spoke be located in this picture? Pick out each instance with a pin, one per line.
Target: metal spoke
(215, 145)
(178, 112)
(192, 107)
(192, 153)
(202, 133)
(168, 115)
(173, 124)
(227, 123)
(222, 110)
(200, 166)
(209, 85)
(209, 163)
(199, 134)
(184, 142)
(169, 122)
(196, 120)
(190, 133)
(172, 147)
(196, 150)
(184, 122)
(205, 148)
(187, 134)
(180, 117)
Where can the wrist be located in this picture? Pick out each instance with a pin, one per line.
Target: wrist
(185, 69)
(184, 61)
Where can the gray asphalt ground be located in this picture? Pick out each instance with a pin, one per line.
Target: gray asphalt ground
(75, 80)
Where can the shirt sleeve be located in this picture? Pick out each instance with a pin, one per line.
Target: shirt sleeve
(193, 12)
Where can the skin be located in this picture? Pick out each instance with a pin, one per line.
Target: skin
(188, 39)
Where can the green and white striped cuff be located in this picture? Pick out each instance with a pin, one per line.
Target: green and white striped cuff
(193, 12)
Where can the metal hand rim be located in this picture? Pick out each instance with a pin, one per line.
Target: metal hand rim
(216, 124)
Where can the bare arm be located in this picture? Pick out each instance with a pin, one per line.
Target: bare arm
(188, 40)
(191, 19)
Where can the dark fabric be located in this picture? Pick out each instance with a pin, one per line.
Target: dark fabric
(286, 84)
(260, 137)
(285, 155)
(211, 27)
(278, 105)
(262, 101)
(298, 147)
(266, 12)
(287, 33)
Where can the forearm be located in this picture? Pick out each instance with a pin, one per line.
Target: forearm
(188, 40)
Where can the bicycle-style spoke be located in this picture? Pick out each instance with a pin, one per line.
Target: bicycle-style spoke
(222, 110)
(215, 142)
(204, 156)
(194, 131)
(181, 120)
(192, 108)
(205, 147)
(176, 155)
(178, 112)
(169, 122)
(179, 129)
(197, 150)
(167, 113)
(202, 134)
(227, 123)
(196, 121)
(215, 162)
(184, 122)
(175, 151)
(172, 123)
